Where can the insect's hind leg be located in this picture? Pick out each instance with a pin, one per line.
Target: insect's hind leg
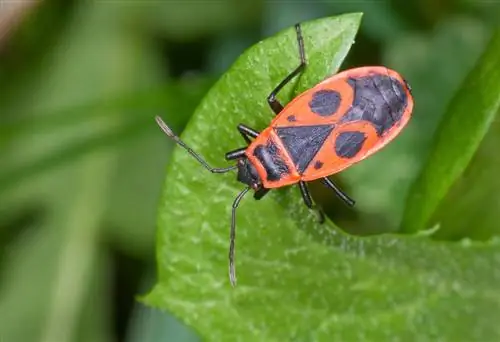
(275, 105)
(342, 195)
(308, 200)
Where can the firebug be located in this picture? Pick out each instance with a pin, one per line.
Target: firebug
(335, 124)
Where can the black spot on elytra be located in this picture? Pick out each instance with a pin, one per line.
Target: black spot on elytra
(291, 118)
(318, 165)
(325, 102)
(348, 144)
(379, 99)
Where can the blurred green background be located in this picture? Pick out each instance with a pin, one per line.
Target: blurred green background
(82, 160)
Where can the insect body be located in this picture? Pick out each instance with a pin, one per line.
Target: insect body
(339, 122)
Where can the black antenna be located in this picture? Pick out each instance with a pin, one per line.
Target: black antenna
(181, 143)
(232, 270)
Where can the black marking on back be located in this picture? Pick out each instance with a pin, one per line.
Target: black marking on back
(302, 143)
(379, 99)
(269, 158)
(348, 144)
(291, 118)
(325, 102)
(318, 165)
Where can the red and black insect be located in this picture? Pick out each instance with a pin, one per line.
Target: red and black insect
(337, 123)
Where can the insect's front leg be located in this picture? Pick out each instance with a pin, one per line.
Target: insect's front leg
(247, 133)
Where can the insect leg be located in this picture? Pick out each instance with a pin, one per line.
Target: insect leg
(232, 236)
(236, 154)
(275, 105)
(181, 143)
(260, 193)
(308, 200)
(247, 132)
(342, 195)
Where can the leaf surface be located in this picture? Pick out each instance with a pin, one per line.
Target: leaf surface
(298, 280)
(458, 186)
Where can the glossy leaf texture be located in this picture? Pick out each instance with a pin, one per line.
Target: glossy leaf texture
(458, 189)
(299, 280)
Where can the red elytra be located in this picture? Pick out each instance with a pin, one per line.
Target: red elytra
(337, 123)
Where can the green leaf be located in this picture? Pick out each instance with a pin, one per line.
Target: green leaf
(53, 273)
(298, 280)
(150, 325)
(384, 24)
(170, 97)
(136, 123)
(188, 20)
(461, 174)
